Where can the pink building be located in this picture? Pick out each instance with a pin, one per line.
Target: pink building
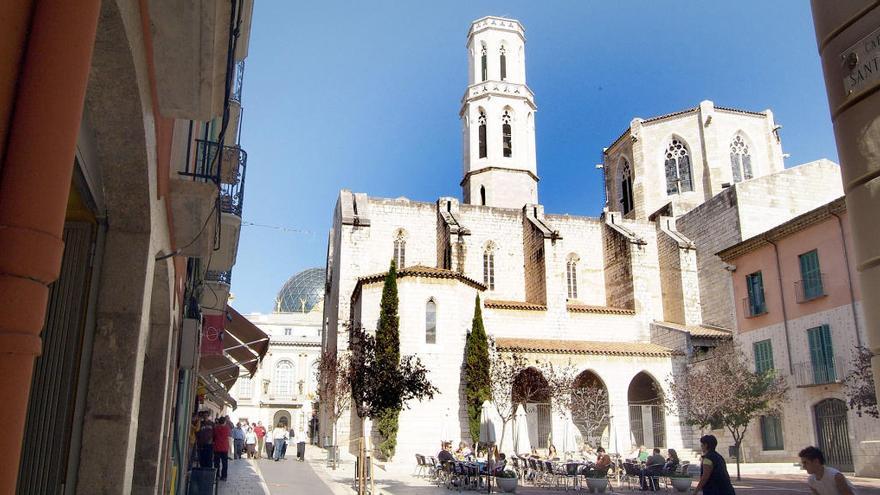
(798, 311)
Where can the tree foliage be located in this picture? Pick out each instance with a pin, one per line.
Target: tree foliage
(334, 390)
(388, 357)
(476, 376)
(503, 370)
(859, 382)
(724, 390)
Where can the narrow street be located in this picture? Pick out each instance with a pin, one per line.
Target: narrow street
(291, 476)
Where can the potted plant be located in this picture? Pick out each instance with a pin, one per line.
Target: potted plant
(681, 482)
(597, 482)
(506, 480)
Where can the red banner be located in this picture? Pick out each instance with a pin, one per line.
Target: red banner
(212, 335)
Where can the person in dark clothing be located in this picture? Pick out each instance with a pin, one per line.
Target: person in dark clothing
(445, 455)
(714, 479)
(672, 463)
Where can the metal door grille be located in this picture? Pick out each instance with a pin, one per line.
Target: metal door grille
(635, 425)
(833, 434)
(543, 425)
(47, 431)
(659, 426)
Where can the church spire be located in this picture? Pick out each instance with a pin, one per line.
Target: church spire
(497, 115)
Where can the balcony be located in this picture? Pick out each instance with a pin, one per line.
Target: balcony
(811, 288)
(751, 310)
(809, 374)
(215, 290)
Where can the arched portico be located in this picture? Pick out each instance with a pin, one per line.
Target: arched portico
(647, 418)
(590, 408)
(531, 389)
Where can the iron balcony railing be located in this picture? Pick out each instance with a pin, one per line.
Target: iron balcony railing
(810, 288)
(237, 82)
(809, 373)
(226, 168)
(221, 277)
(753, 308)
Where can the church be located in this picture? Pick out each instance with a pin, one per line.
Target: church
(629, 298)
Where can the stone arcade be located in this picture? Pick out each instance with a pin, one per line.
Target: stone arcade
(627, 297)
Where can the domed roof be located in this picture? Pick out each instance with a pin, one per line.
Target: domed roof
(301, 292)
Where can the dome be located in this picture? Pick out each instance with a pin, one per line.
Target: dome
(301, 292)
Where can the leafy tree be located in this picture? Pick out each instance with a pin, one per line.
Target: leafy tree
(476, 371)
(859, 384)
(334, 390)
(503, 370)
(724, 390)
(388, 357)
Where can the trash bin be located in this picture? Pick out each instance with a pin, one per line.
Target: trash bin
(301, 451)
(202, 481)
(732, 452)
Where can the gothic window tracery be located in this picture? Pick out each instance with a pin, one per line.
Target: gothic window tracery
(400, 249)
(489, 266)
(431, 322)
(740, 159)
(482, 133)
(485, 69)
(571, 276)
(678, 167)
(503, 60)
(626, 187)
(506, 134)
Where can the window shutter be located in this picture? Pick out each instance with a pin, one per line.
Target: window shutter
(811, 278)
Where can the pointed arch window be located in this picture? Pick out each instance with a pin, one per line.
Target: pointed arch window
(489, 267)
(284, 377)
(740, 159)
(571, 277)
(431, 322)
(626, 187)
(678, 168)
(400, 250)
(503, 61)
(482, 133)
(506, 134)
(484, 72)
(483, 195)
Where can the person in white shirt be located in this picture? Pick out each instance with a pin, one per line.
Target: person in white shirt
(279, 435)
(250, 441)
(823, 480)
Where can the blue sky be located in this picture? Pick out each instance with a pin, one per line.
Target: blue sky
(365, 96)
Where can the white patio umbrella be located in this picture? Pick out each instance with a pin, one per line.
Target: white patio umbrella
(488, 424)
(445, 428)
(521, 444)
(569, 440)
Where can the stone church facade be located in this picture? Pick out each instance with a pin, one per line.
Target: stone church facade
(627, 297)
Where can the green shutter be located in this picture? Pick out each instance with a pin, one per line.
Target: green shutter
(763, 356)
(811, 275)
(755, 286)
(822, 354)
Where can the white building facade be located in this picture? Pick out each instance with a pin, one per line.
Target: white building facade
(284, 388)
(620, 297)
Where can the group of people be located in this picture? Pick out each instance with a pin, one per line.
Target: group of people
(211, 441)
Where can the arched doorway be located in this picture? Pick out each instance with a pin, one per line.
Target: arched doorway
(531, 389)
(282, 418)
(590, 409)
(647, 421)
(832, 433)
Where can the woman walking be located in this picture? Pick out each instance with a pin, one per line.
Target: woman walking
(250, 441)
(279, 436)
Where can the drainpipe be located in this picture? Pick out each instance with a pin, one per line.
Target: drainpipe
(34, 186)
(782, 300)
(852, 296)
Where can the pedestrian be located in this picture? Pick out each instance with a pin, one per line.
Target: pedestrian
(313, 429)
(823, 480)
(714, 479)
(222, 433)
(250, 441)
(261, 437)
(205, 443)
(238, 440)
(279, 441)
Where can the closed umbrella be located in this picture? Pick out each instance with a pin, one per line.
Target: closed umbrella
(487, 424)
(569, 441)
(521, 444)
(445, 429)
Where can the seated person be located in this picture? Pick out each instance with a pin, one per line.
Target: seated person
(534, 453)
(551, 453)
(601, 466)
(463, 451)
(643, 454)
(653, 467)
(672, 462)
(500, 463)
(445, 455)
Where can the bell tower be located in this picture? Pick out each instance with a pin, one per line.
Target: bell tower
(498, 118)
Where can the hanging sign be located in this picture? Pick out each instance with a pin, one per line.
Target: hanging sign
(212, 335)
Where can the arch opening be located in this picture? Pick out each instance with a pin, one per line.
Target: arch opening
(647, 418)
(532, 391)
(590, 409)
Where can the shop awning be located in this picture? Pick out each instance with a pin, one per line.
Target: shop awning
(215, 391)
(223, 369)
(244, 342)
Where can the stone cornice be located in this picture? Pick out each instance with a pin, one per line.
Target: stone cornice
(487, 169)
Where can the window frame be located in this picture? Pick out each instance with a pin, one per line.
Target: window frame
(571, 278)
(506, 134)
(431, 311)
(763, 353)
(277, 382)
(772, 434)
(821, 346)
(674, 158)
(627, 203)
(400, 251)
(482, 145)
(489, 268)
(810, 270)
(756, 309)
(740, 159)
(503, 63)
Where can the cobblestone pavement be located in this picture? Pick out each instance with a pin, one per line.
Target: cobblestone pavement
(290, 476)
(244, 478)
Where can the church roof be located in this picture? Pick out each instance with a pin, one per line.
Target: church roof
(698, 330)
(420, 271)
(518, 305)
(584, 347)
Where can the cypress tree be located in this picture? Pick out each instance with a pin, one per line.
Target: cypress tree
(476, 371)
(388, 357)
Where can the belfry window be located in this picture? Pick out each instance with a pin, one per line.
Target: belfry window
(740, 159)
(483, 195)
(571, 278)
(400, 251)
(483, 61)
(482, 134)
(678, 168)
(489, 268)
(503, 65)
(431, 322)
(626, 187)
(506, 135)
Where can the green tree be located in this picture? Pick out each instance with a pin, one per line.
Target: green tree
(388, 358)
(477, 387)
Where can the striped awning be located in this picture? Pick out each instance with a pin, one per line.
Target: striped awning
(244, 342)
